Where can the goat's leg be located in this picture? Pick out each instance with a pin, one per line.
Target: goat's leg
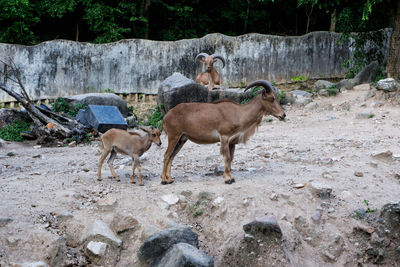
(137, 165)
(167, 157)
(110, 162)
(226, 154)
(231, 153)
(133, 171)
(102, 158)
(177, 148)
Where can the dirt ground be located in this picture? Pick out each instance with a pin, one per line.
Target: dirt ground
(327, 145)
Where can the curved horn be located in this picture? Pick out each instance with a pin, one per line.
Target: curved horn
(144, 128)
(201, 56)
(264, 83)
(217, 56)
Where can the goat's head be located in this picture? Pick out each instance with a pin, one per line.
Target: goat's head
(209, 60)
(154, 134)
(269, 100)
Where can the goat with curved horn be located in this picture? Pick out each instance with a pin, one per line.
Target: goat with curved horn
(223, 121)
(210, 78)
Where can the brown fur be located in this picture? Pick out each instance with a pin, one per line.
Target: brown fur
(129, 143)
(210, 78)
(223, 121)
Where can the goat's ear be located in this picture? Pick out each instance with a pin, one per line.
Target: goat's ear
(264, 94)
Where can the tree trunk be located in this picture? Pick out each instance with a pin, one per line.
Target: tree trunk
(393, 63)
(77, 32)
(333, 22)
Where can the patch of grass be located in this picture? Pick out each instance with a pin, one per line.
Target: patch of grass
(62, 105)
(253, 94)
(155, 118)
(197, 208)
(299, 79)
(11, 154)
(281, 97)
(12, 131)
(332, 91)
(108, 90)
(368, 210)
(370, 116)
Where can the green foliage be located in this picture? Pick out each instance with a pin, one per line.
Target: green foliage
(62, 105)
(281, 97)
(253, 94)
(155, 118)
(11, 154)
(197, 208)
(12, 131)
(108, 90)
(332, 91)
(368, 210)
(298, 79)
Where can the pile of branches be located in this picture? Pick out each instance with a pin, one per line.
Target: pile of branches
(50, 128)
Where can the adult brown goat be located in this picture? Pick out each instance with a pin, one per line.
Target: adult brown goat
(210, 78)
(223, 121)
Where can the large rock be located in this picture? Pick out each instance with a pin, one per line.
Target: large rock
(365, 75)
(266, 225)
(178, 89)
(102, 99)
(347, 84)
(100, 231)
(388, 85)
(321, 84)
(185, 255)
(8, 115)
(300, 97)
(159, 243)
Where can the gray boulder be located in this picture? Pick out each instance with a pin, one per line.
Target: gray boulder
(266, 225)
(185, 255)
(154, 247)
(387, 85)
(100, 231)
(178, 89)
(364, 76)
(300, 97)
(321, 84)
(102, 99)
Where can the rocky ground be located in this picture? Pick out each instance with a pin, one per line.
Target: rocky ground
(321, 174)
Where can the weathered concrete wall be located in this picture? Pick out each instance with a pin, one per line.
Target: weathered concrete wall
(60, 67)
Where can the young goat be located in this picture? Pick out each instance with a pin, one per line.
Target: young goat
(210, 78)
(128, 143)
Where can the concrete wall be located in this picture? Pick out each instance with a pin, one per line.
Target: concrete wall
(60, 67)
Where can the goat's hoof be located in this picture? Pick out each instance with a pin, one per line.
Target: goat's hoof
(228, 182)
(133, 182)
(142, 184)
(99, 179)
(233, 180)
(118, 180)
(164, 182)
(170, 182)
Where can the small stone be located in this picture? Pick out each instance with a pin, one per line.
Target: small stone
(311, 106)
(5, 221)
(36, 156)
(373, 164)
(182, 199)
(265, 225)
(72, 144)
(376, 104)
(371, 93)
(248, 237)
(123, 223)
(100, 229)
(298, 186)
(327, 175)
(97, 248)
(321, 190)
(273, 197)
(384, 156)
(218, 201)
(316, 217)
(12, 241)
(34, 264)
(183, 254)
(107, 203)
(170, 199)
(85, 170)
(360, 213)
(358, 174)
(346, 195)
